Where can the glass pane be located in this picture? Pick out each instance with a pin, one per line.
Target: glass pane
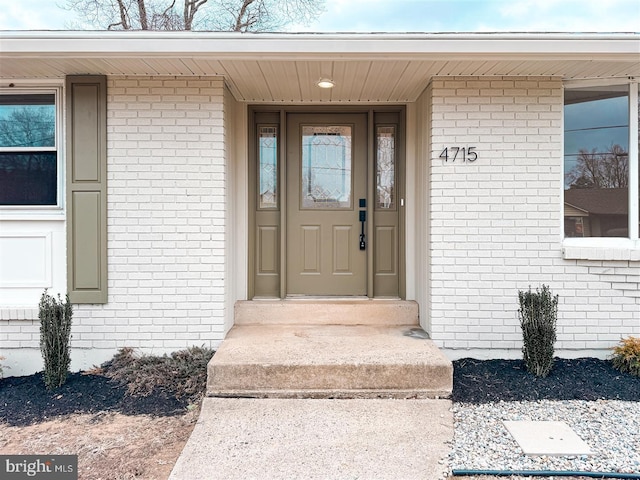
(326, 167)
(28, 178)
(386, 168)
(268, 155)
(27, 121)
(596, 162)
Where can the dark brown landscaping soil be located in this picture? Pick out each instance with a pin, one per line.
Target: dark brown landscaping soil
(476, 381)
(25, 400)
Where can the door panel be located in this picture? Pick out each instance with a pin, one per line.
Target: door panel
(342, 264)
(311, 249)
(386, 226)
(268, 242)
(265, 198)
(385, 248)
(326, 177)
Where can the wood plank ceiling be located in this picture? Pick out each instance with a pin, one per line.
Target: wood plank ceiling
(294, 81)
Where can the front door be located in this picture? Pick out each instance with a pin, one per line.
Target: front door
(326, 181)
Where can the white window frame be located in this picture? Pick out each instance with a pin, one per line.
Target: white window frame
(41, 212)
(609, 248)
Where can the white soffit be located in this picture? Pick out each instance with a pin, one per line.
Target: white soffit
(267, 68)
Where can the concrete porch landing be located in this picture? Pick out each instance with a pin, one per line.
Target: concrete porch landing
(328, 361)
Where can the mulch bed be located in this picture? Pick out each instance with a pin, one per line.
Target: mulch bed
(25, 400)
(476, 381)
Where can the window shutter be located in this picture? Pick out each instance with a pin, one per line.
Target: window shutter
(86, 201)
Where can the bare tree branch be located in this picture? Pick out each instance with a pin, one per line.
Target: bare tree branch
(123, 15)
(242, 24)
(595, 169)
(217, 15)
(142, 11)
(190, 9)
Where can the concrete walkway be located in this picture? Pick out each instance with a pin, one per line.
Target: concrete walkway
(241, 438)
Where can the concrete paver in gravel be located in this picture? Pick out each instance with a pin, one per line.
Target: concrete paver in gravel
(546, 438)
(240, 438)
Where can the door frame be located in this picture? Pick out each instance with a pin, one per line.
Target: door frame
(279, 113)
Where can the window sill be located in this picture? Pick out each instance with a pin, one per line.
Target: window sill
(31, 215)
(601, 249)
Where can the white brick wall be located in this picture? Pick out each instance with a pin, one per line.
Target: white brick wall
(166, 217)
(166, 222)
(490, 227)
(496, 224)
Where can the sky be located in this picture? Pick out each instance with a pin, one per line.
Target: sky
(402, 16)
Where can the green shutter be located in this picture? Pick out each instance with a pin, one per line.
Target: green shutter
(86, 164)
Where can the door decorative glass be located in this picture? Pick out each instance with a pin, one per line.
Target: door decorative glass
(326, 167)
(268, 161)
(386, 167)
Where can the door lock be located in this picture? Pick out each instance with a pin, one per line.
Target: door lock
(363, 219)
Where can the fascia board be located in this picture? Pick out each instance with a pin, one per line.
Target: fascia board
(304, 46)
(576, 207)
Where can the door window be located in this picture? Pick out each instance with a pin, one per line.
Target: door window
(386, 167)
(326, 167)
(268, 166)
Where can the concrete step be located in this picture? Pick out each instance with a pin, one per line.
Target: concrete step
(328, 361)
(326, 312)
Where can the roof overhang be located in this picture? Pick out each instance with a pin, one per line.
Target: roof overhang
(385, 68)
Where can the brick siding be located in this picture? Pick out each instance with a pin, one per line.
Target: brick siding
(166, 220)
(496, 223)
(493, 226)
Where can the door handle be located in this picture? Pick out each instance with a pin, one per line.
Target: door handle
(363, 219)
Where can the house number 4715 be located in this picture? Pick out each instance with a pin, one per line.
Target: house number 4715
(465, 154)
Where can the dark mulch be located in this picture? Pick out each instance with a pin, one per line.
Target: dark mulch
(476, 381)
(25, 400)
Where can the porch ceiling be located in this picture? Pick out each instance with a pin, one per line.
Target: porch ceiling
(378, 68)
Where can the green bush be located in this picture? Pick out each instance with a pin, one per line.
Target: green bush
(626, 356)
(538, 315)
(183, 373)
(55, 334)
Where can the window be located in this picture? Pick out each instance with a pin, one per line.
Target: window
(326, 166)
(385, 167)
(268, 166)
(600, 168)
(28, 149)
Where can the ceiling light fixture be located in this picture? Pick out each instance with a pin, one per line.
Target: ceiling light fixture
(325, 83)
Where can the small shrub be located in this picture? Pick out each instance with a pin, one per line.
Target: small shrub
(55, 334)
(538, 315)
(626, 356)
(183, 373)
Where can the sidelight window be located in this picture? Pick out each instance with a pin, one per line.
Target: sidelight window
(268, 166)
(386, 167)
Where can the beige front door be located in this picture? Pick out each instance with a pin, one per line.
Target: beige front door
(326, 181)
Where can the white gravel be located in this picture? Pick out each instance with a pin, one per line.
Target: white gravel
(610, 427)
